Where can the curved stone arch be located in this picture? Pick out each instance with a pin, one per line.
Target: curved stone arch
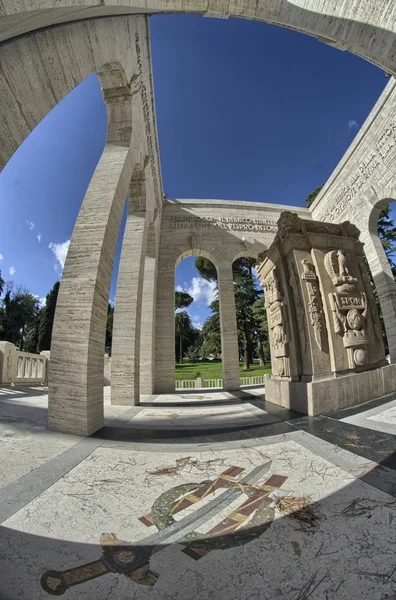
(374, 202)
(253, 253)
(378, 202)
(358, 26)
(77, 349)
(197, 252)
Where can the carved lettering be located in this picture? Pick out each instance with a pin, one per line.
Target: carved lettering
(385, 144)
(230, 223)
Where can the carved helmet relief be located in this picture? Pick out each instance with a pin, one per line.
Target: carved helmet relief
(336, 264)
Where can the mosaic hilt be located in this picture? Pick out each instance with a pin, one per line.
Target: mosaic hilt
(118, 557)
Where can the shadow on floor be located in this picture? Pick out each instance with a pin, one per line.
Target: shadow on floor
(340, 548)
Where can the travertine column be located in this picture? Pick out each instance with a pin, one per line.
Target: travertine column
(77, 348)
(385, 285)
(228, 325)
(148, 315)
(165, 325)
(125, 355)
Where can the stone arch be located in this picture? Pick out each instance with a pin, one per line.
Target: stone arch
(359, 26)
(378, 262)
(77, 350)
(196, 252)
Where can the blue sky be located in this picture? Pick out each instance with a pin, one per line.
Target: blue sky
(245, 111)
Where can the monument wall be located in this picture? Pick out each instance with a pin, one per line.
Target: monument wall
(362, 185)
(222, 231)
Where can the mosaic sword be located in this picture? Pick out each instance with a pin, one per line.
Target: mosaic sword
(126, 558)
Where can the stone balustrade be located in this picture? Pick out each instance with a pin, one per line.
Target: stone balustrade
(22, 368)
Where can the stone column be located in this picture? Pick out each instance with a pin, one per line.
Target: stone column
(125, 355)
(385, 285)
(77, 348)
(148, 315)
(165, 325)
(228, 325)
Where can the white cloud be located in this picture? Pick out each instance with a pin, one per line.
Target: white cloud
(12, 270)
(60, 251)
(202, 291)
(1, 257)
(39, 236)
(31, 225)
(352, 125)
(196, 321)
(42, 301)
(179, 288)
(255, 272)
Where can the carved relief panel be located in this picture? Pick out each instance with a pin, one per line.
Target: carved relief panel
(277, 325)
(349, 307)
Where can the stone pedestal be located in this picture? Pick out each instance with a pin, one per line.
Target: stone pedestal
(326, 341)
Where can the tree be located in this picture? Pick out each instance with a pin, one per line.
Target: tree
(311, 197)
(260, 314)
(210, 334)
(182, 300)
(1, 284)
(387, 234)
(193, 354)
(184, 329)
(19, 311)
(206, 268)
(246, 294)
(109, 328)
(47, 319)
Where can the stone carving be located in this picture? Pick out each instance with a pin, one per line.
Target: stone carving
(370, 300)
(294, 283)
(315, 303)
(230, 223)
(336, 264)
(277, 323)
(149, 122)
(349, 308)
(291, 223)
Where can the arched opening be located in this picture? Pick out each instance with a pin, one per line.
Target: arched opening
(252, 325)
(198, 355)
(380, 252)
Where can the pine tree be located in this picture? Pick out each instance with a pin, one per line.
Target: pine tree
(47, 319)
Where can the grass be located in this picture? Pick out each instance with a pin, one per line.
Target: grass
(212, 369)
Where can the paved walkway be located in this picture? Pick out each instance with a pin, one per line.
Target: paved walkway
(198, 500)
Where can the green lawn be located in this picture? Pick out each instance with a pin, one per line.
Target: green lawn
(212, 370)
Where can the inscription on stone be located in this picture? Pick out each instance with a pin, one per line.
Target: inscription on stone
(385, 144)
(234, 223)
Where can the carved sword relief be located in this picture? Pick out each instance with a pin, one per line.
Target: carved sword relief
(315, 303)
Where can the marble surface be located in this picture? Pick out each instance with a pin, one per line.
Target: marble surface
(202, 417)
(380, 418)
(342, 548)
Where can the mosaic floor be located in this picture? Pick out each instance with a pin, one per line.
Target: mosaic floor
(281, 507)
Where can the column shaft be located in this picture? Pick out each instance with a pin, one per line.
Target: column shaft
(77, 349)
(165, 326)
(148, 315)
(125, 355)
(228, 325)
(385, 285)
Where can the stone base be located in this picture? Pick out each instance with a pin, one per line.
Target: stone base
(335, 393)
